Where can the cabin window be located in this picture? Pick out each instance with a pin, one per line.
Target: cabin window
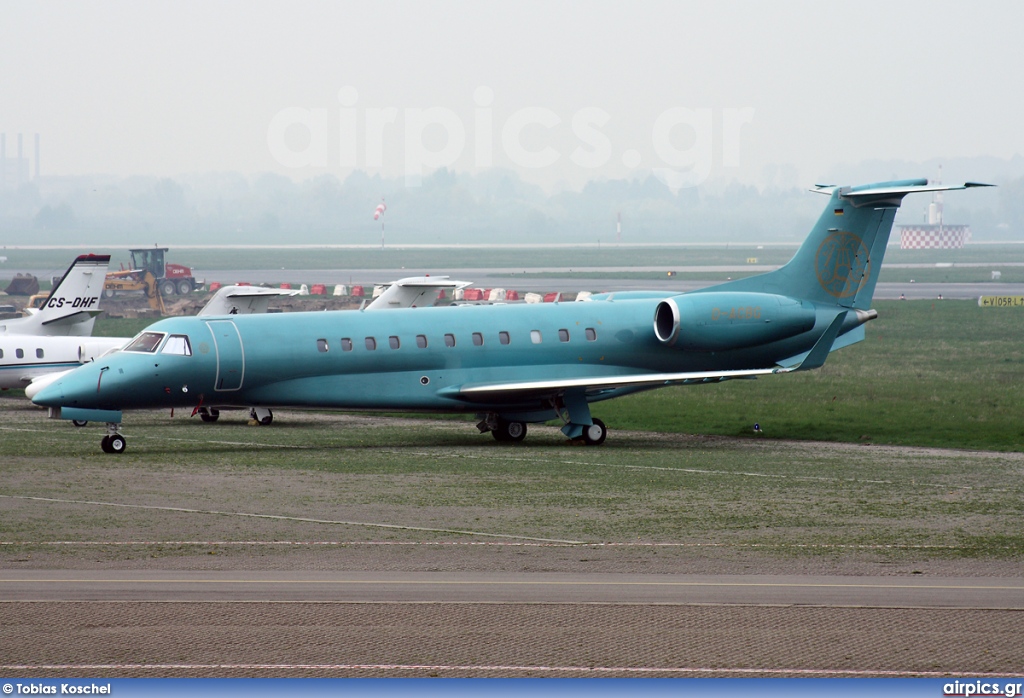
(478, 339)
(535, 336)
(321, 346)
(591, 334)
(39, 353)
(563, 335)
(1, 353)
(20, 353)
(393, 342)
(421, 341)
(145, 342)
(371, 343)
(449, 340)
(177, 344)
(346, 344)
(503, 337)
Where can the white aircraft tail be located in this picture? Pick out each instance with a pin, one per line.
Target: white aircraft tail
(243, 300)
(73, 304)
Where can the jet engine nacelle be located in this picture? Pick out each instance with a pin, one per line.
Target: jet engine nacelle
(723, 321)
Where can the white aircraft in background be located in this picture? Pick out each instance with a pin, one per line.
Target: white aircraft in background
(72, 306)
(55, 337)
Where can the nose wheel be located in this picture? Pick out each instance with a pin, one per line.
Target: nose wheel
(113, 442)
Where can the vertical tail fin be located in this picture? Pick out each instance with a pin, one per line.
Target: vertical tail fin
(73, 303)
(839, 262)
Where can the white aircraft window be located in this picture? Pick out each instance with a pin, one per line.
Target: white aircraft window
(147, 342)
(321, 346)
(563, 335)
(535, 336)
(421, 341)
(39, 353)
(591, 334)
(478, 339)
(346, 344)
(371, 343)
(20, 353)
(177, 344)
(449, 340)
(503, 337)
(393, 342)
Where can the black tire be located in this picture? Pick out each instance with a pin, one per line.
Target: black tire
(266, 421)
(105, 444)
(109, 293)
(79, 422)
(595, 434)
(209, 415)
(117, 444)
(184, 287)
(168, 288)
(510, 431)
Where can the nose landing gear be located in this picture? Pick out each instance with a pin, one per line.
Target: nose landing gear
(113, 442)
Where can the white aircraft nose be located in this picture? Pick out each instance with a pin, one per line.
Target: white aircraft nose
(41, 382)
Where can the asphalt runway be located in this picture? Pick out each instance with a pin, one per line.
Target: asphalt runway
(471, 587)
(414, 624)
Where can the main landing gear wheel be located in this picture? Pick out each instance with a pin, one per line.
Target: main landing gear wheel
(510, 431)
(113, 444)
(595, 434)
(261, 416)
(209, 414)
(79, 422)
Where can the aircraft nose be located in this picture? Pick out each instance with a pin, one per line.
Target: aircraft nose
(76, 388)
(49, 395)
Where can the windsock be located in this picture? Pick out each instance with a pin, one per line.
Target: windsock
(379, 211)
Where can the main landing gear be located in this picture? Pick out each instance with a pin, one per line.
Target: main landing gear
(113, 442)
(261, 415)
(209, 414)
(511, 431)
(595, 434)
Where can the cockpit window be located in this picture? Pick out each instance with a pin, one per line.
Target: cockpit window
(147, 342)
(177, 344)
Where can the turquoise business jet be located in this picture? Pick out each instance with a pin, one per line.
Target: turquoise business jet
(512, 365)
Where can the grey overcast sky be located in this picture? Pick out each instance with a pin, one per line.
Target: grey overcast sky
(562, 92)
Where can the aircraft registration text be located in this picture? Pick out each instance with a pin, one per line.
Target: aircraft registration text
(749, 312)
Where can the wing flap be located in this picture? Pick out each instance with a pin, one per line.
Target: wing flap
(483, 391)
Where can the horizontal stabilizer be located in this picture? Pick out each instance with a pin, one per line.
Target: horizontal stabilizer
(892, 192)
(72, 318)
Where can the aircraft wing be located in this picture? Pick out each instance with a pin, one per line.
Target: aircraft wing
(815, 358)
(486, 391)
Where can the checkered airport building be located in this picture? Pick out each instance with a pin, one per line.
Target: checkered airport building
(934, 237)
